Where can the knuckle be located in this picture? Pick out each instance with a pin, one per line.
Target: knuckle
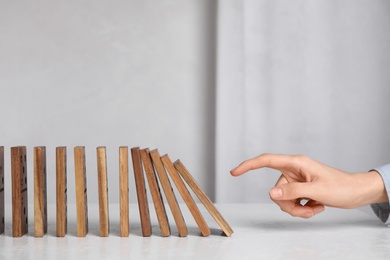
(302, 161)
(284, 210)
(287, 210)
(301, 158)
(306, 216)
(294, 190)
(294, 214)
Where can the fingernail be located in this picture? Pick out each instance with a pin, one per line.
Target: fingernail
(276, 193)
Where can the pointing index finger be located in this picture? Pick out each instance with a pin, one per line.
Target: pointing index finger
(273, 161)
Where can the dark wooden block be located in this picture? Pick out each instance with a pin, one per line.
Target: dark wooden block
(19, 191)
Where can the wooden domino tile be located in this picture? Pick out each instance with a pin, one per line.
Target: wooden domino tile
(1, 189)
(141, 192)
(156, 194)
(103, 191)
(19, 191)
(61, 192)
(124, 191)
(40, 198)
(170, 196)
(189, 201)
(203, 198)
(81, 191)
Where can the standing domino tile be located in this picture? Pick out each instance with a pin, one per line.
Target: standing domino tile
(81, 191)
(124, 190)
(170, 196)
(40, 198)
(141, 192)
(61, 192)
(1, 189)
(103, 191)
(19, 191)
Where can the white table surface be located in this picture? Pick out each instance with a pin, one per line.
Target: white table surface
(261, 231)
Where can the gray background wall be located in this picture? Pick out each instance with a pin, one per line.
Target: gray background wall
(301, 77)
(143, 73)
(111, 73)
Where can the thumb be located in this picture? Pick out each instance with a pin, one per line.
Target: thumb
(290, 191)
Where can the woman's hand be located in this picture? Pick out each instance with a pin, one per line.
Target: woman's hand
(321, 185)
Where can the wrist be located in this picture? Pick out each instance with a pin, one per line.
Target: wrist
(371, 188)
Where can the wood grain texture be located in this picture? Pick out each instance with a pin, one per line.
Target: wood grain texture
(156, 194)
(124, 227)
(1, 189)
(203, 198)
(169, 194)
(40, 198)
(19, 191)
(61, 192)
(189, 201)
(141, 192)
(103, 191)
(81, 191)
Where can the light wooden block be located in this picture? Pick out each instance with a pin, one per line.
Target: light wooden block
(124, 191)
(81, 191)
(203, 198)
(169, 194)
(103, 191)
(156, 194)
(141, 192)
(61, 192)
(189, 201)
(40, 198)
(19, 191)
(1, 189)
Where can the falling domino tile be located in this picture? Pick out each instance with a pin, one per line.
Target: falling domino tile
(170, 196)
(1, 189)
(141, 192)
(189, 201)
(81, 191)
(156, 194)
(103, 191)
(61, 192)
(124, 191)
(19, 191)
(203, 198)
(40, 198)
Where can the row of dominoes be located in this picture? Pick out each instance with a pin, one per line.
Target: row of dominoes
(158, 170)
